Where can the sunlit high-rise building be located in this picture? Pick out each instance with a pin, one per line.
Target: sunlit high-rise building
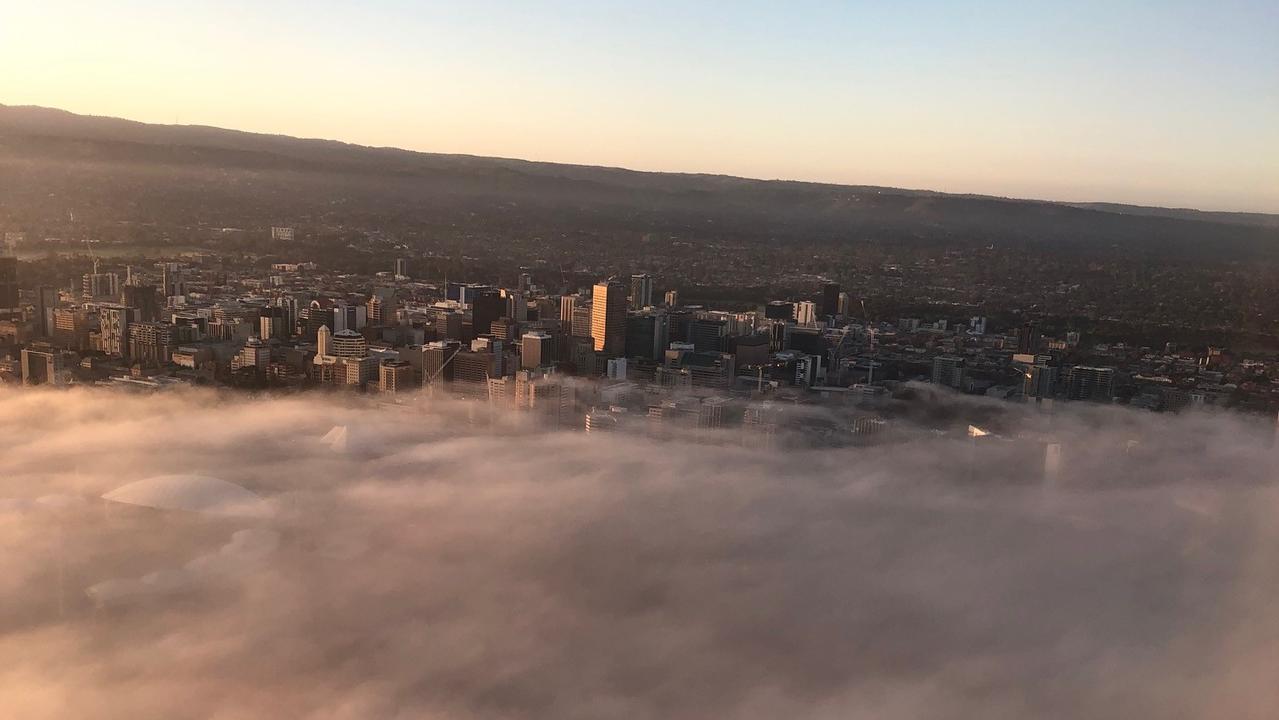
(608, 317)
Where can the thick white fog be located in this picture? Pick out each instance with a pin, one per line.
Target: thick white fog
(430, 565)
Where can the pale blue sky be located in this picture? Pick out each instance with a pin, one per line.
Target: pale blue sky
(1170, 103)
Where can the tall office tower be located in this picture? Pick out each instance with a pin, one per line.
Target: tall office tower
(9, 305)
(488, 306)
(323, 341)
(672, 298)
(395, 376)
(526, 282)
(516, 305)
(1028, 337)
(646, 334)
(641, 291)
(568, 303)
(608, 317)
(402, 267)
(114, 322)
(349, 317)
(143, 298)
(806, 313)
(779, 310)
(580, 325)
(677, 321)
(46, 301)
(948, 370)
(1090, 383)
(537, 349)
(151, 343)
(708, 334)
(41, 365)
(349, 344)
(289, 308)
(255, 354)
(437, 359)
(845, 305)
(830, 299)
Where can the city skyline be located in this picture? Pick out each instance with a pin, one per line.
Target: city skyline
(1171, 105)
(720, 360)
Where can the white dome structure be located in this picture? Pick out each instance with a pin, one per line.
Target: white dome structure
(191, 493)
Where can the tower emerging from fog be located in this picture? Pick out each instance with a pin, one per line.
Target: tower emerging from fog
(608, 317)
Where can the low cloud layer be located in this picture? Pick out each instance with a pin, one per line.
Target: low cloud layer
(443, 567)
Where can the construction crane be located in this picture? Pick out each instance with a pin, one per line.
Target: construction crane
(449, 359)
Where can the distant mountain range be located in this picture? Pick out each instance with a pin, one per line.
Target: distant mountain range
(113, 169)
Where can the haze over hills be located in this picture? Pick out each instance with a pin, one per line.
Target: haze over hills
(110, 170)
